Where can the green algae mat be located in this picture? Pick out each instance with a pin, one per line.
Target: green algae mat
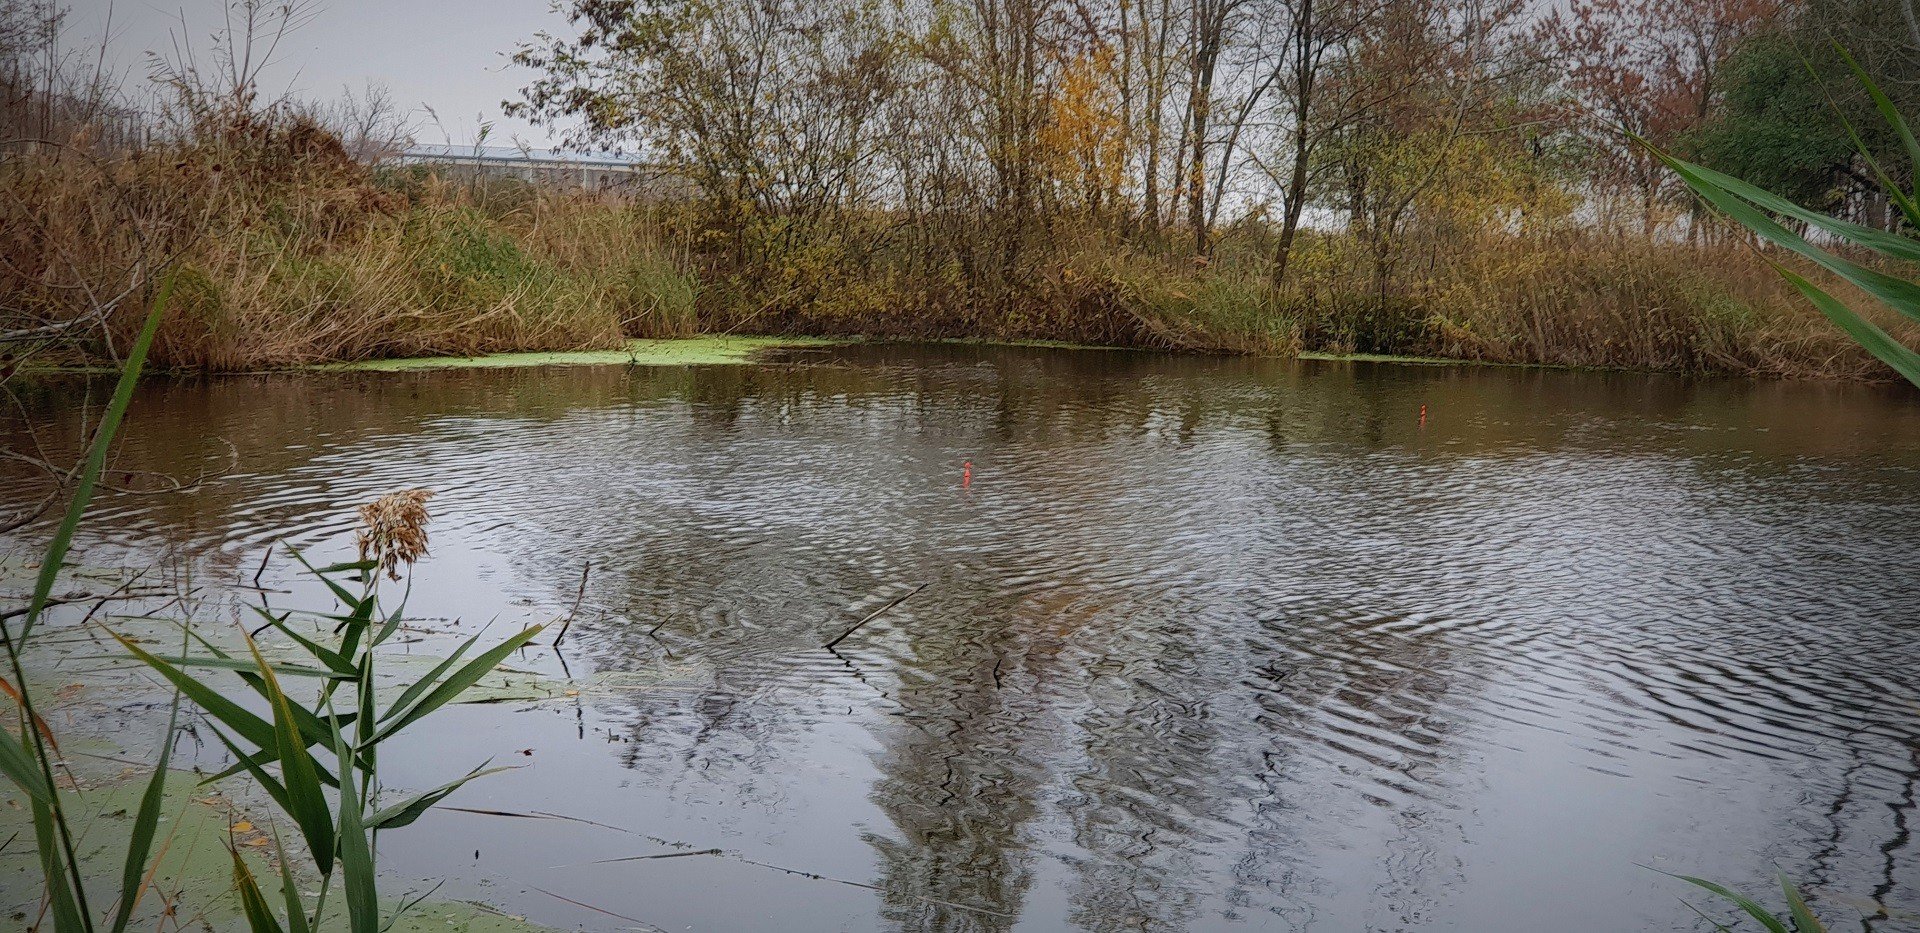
(677, 351)
(191, 886)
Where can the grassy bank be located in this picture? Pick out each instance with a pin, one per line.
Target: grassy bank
(291, 254)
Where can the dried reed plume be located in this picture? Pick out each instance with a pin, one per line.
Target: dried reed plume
(395, 530)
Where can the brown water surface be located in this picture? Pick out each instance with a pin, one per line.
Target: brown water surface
(1206, 644)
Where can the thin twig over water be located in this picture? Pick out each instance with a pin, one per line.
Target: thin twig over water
(598, 910)
(876, 614)
(578, 597)
(713, 852)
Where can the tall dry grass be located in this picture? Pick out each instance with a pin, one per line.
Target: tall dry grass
(289, 252)
(1628, 303)
(1560, 298)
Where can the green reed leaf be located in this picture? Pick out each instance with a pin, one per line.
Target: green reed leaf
(1803, 919)
(1887, 111)
(1904, 361)
(252, 763)
(1880, 241)
(66, 890)
(332, 659)
(66, 901)
(95, 463)
(345, 596)
(248, 726)
(425, 683)
(232, 664)
(289, 892)
(252, 904)
(1902, 296)
(356, 566)
(356, 850)
(1752, 908)
(305, 801)
(146, 821)
(393, 621)
(453, 686)
(413, 808)
(18, 765)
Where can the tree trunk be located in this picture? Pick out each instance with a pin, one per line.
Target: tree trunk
(1304, 74)
(1209, 32)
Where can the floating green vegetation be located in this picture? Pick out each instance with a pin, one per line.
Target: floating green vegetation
(1323, 357)
(198, 821)
(1034, 343)
(682, 351)
(192, 872)
(1318, 356)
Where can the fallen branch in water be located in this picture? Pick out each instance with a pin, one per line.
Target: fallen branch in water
(598, 910)
(657, 627)
(685, 850)
(84, 598)
(578, 597)
(876, 614)
(642, 858)
(871, 887)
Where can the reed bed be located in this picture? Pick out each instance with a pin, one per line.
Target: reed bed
(290, 253)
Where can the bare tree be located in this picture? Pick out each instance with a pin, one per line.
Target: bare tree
(1317, 101)
(368, 123)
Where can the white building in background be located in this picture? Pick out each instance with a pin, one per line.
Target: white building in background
(590, 171)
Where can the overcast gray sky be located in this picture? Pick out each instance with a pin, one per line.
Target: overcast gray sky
(450, 56)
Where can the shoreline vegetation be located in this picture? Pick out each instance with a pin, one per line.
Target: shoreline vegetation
(315, 261)
(334, 265)
(745, 349)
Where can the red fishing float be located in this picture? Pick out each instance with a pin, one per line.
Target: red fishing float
(966, 474)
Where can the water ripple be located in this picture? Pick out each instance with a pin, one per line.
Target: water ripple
(1206, 643)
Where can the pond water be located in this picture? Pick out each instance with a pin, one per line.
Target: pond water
(1200, 644)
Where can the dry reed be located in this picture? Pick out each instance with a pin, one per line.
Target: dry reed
(393, 530)
(291, 253)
